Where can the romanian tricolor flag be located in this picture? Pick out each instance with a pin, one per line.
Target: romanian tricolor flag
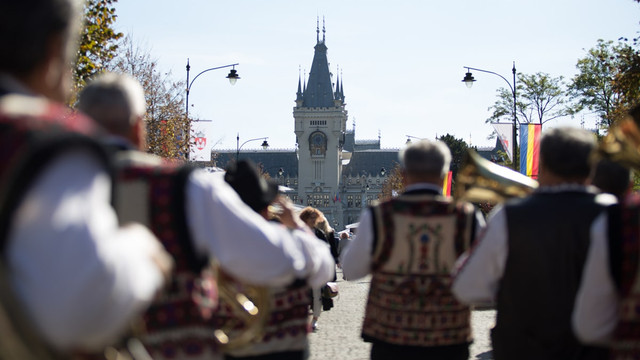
(446, 186)
(530, 149)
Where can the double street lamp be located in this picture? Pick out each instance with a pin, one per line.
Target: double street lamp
(264, 145)
(468, 80)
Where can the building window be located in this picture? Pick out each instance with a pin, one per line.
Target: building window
(317, 174)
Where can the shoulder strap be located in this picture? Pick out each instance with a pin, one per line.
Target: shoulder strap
(196, 261)
(33, 158)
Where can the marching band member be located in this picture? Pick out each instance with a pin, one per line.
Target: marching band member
(410, 244)
(77, 276)
(197, 216)
(530, 258)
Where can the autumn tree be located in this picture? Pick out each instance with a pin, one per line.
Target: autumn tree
(393, 185)
(539, 98)
(98, 41)
(167, 126)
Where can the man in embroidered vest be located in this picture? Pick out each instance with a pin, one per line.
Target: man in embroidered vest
(197, 216)
(607, 309)
(410, 245)
(285, 332)
(530, 258)
(78, 277)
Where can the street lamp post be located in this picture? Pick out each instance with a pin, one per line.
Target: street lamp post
(409, 137)
(468, 80)
(233, 78)
(264, 145)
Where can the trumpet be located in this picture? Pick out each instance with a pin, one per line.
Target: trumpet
(480, 180)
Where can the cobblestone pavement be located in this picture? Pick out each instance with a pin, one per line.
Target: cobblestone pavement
(338, 335)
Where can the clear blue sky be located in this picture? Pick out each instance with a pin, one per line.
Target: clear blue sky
(401, 61)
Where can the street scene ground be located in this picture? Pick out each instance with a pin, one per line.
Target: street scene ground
(338, 335)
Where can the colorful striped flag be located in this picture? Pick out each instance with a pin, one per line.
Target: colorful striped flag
(446, 186)
(530, 149)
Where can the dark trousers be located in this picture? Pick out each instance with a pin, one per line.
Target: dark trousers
(385, 351)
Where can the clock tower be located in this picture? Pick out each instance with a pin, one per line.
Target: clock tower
(320, 123)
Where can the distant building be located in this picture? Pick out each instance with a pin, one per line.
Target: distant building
(328, 169)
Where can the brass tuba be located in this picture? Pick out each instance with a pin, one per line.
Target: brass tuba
(480, 180)
(622, 144)
(243, 309)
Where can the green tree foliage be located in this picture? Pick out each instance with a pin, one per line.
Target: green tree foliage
(539, 98)
(458, 148)
(98, 41)
(627, 80)
(608, 81)
(168, 128)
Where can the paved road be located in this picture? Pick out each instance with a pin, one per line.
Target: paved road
(338, 336)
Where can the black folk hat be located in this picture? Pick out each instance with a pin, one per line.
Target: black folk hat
(254, 190)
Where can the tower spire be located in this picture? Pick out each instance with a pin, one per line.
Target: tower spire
(299, 97)
(342, 87)
(318, 29)
(323, 29)
(337, 93)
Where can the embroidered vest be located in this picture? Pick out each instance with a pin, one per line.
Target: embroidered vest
(33, 132)
(626, 343)
(152, 192)
(286, 329)
(418, 240)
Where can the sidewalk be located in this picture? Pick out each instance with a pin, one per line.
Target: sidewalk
(338, 335)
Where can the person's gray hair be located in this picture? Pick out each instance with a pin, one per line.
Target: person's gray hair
(426, 158)
(566, 151)
(27, 27)
(115, 101)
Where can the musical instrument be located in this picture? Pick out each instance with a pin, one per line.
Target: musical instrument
(250, 310)
(622, 144)
(480, 180)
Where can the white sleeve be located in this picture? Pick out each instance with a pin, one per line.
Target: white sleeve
(595, 314)
(246, 245)
(356, 261)
(477, 281)
(80, 277)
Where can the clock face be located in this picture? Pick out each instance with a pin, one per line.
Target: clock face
(318, 143)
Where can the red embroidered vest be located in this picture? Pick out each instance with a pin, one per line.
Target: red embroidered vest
(152, 192)
(418, 240)
(626, 343)
(285, 330)
(33, 132)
